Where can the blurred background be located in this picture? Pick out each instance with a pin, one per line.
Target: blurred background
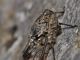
(17, 16)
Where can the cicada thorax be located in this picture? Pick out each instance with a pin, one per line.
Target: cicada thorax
(54, 29)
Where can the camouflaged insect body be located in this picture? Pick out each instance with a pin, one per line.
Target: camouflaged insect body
(44, 32)
(47, 22)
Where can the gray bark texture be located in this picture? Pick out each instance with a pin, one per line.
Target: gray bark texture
(17, 17)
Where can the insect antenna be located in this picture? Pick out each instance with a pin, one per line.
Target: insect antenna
(72, 26)
(69, 26)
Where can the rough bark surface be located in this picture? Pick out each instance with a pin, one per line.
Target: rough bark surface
(17, 17)
(67, 47)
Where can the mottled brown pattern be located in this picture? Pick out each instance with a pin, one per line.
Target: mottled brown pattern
(44, 32)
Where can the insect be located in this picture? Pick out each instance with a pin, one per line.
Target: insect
(44, 32)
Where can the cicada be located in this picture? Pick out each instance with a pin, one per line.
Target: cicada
(43, 35)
